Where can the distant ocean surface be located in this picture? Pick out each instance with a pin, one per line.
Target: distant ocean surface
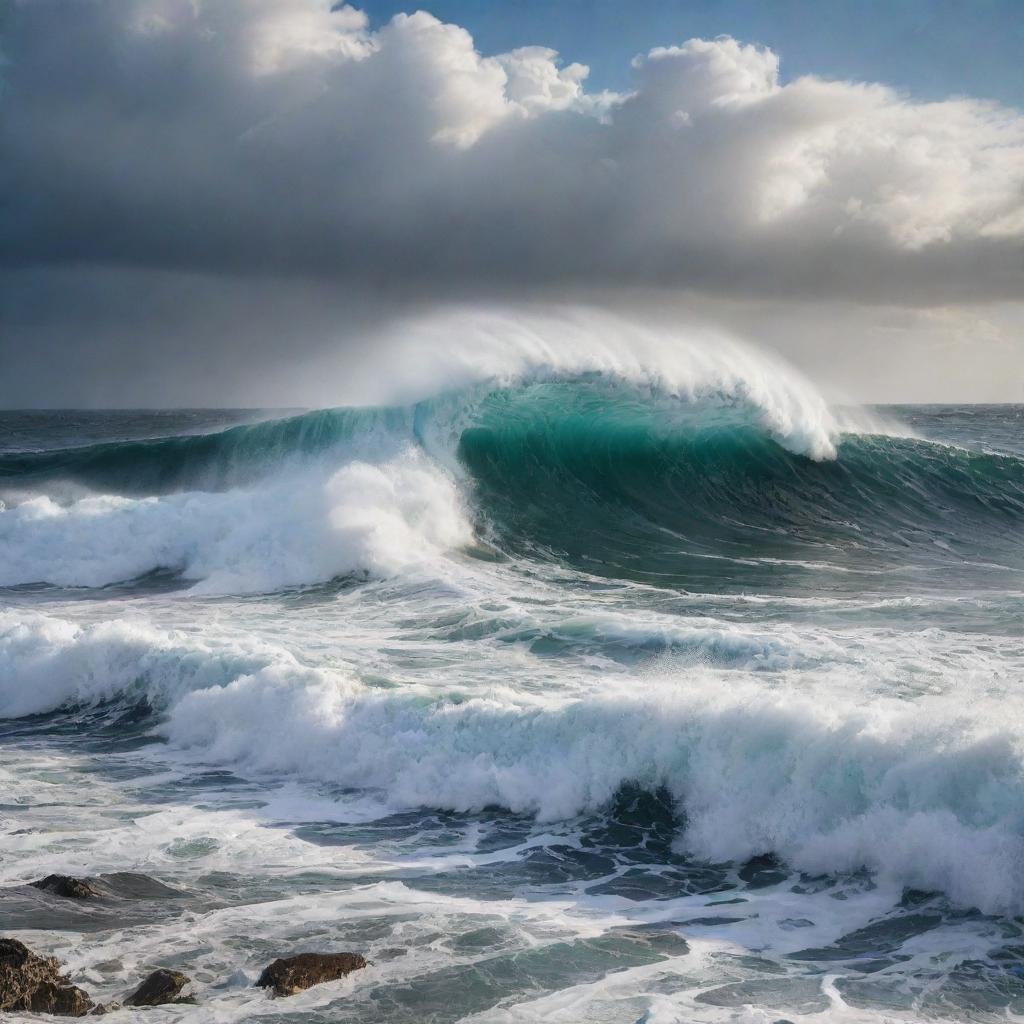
(579, 696)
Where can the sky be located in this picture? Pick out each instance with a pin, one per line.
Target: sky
(931, 48)
(242, 202)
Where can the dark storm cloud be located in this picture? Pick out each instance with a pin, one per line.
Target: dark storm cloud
(281, 139)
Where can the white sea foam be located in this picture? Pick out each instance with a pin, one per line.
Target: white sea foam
(926, 798)
(462, 684)
(929, 794)
(303, 526)
(461, 348)
(47, 662)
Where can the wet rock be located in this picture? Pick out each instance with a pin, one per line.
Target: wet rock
(161, 987)
(61, 1000)
(35, 984)
(293, 974)
(68, 886)
(101, 1008)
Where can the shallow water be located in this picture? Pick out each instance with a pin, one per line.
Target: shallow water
(574, 699)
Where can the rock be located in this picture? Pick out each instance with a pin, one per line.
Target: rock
(35, 984)
(101, 1008)
(66, 885)
(293, 974)
(60, 999)
(161, 987)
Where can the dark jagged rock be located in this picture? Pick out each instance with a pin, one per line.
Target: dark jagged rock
(161, 987)
(35, 984)
(293, 974)
(61, 1000)
(68, 886)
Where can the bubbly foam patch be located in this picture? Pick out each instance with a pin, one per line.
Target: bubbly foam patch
(307, 525)
(48, 662)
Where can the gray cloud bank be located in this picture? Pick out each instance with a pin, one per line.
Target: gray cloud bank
(280, 137)
(221, 201)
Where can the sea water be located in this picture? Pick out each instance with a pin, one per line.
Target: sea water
(582, 689)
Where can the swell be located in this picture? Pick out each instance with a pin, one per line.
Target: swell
(629, 496)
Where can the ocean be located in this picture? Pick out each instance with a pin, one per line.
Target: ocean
(585, 694)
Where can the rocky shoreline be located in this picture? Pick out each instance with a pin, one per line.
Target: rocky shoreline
(31, 983)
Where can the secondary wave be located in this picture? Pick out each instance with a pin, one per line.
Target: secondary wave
(921, 793)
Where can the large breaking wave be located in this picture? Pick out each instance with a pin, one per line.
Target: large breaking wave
(618, 469)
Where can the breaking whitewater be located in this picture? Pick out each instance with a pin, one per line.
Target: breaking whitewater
(614, 677)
